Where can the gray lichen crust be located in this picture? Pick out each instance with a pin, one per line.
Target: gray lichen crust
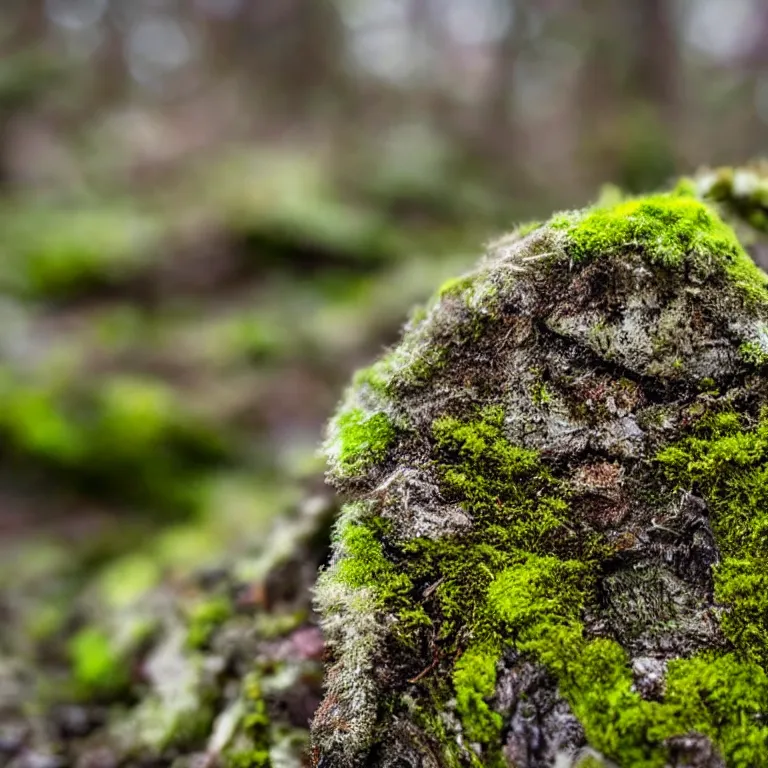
(554, 549)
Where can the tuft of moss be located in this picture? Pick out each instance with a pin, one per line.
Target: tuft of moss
(365, 565)
(455, 286)
(474, 679)
(753, 353)
(363, 439)
(670, 229)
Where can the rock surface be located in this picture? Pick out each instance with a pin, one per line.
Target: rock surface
(553, 548)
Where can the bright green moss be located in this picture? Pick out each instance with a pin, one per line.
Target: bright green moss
(726, 460)
(474, 678)
(515, 504)
(455, 286)
(519, 577)
(518, 510)
(363, 439)
(35, 423)
(364, 564)
(248, 758)
(670, 229)
(365, 567)
(725, 698)
(255, 726)
(540, 603)
(98, 668)
(123, 436)
(539, 586)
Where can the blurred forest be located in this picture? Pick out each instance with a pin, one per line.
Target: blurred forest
(213, 211)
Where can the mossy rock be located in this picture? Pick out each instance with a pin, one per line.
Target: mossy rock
(553, 549)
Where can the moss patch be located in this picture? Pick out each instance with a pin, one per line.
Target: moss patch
(99, 669)
(255, 727)
(204, 618)
(523, 574)
(753, 353)
(474, 679)
(726, 460)
(363, 439)
(670, 229)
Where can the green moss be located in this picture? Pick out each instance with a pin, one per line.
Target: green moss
(55, 251)
(670, 229)
(126, 579)
(455, 286)
(518, 509)
(527, 227)
(540, 603)
(248, 758)
(726, 460)
(363, 439)
(35, 423)
(204, 618)
(99, 669)
(123, 436)
(539, 586)
(252, 747)
(753, 353)
(413, 364)
(523, 574)
(474, 679)
(540, 394)
(740, 191)
(376, 377)
(365, 565)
